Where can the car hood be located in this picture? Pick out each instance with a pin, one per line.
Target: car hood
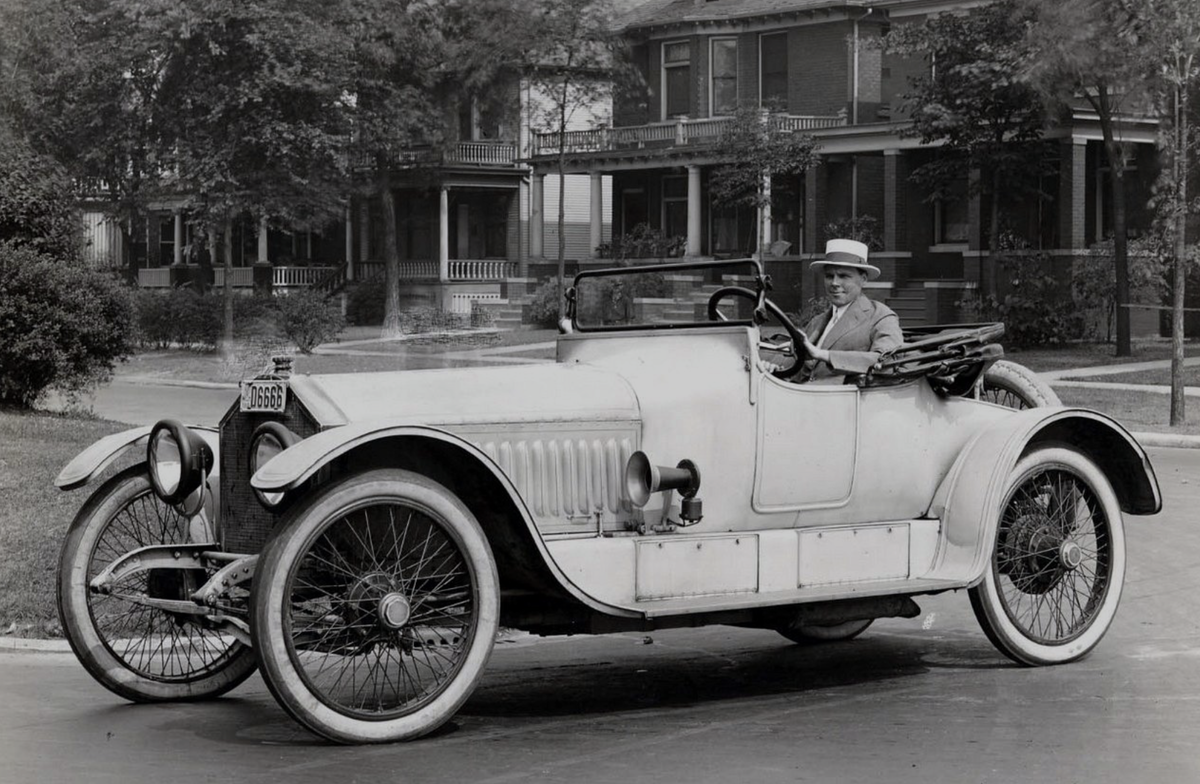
(527, 393)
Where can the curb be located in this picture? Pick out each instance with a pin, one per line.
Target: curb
(33, 645)
(156, 381)
(1168, 440)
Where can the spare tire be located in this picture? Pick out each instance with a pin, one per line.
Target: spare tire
(1014, 386)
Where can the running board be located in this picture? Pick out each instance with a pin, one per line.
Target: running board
(662, 608)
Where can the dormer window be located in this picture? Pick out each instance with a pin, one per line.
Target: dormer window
(677, 78)
(724, 87)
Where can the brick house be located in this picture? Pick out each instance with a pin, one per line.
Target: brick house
(818, 60)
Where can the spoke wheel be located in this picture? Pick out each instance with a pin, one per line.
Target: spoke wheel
(812, 634)
(1058, 561)
(141, 653)
(375, 608)
(1015, 386)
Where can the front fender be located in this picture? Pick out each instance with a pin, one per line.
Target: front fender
(296, 464)
(95, 458)
(969, 497)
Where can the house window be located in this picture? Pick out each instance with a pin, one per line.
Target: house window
(724, 76)
(950, 216)
(773, 67)
(674, 206)
(677, 78)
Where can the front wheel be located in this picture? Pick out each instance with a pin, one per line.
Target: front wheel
(375, 608)
(1058, 561)
(138, 651)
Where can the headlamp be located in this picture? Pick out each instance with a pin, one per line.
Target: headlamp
(178, 458)
(269, 439)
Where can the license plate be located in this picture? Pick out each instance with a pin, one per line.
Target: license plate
(268, 396)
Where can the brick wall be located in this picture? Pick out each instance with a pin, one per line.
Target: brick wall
(818, 69)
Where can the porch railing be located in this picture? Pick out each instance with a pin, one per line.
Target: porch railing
(297, 277)
(681, 132)
(154, 278)
(427, 270)
(240, 277)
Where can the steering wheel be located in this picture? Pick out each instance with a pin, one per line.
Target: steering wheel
(795, 344)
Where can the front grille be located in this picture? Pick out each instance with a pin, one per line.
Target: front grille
(245, 525)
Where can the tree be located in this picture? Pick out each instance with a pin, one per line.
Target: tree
(1172, 30)
(81, 87)
(573, 63)
(253, 109)
(1094, 49)
(399, 57)
(973, 104)
(757, 148)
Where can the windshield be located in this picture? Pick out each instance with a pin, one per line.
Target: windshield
(658, 296)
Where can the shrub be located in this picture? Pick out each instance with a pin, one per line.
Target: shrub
(62, 326)
(1094, 281)
(309, 319)
(864, 228)
(179, 317)
(1034, 305)
(642, 242)
(364, 303)
(545, 308)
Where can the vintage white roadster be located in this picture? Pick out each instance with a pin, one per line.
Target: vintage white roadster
(360, 539)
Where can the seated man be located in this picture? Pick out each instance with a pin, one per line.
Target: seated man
(856, 330)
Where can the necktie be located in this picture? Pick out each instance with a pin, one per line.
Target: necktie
(833, 317)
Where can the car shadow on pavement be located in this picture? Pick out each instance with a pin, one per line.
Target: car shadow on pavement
(646, 678)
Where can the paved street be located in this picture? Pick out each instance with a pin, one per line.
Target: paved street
(922, 700)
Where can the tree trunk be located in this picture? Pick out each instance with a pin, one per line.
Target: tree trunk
(1178, 412)
(204, 274)
(227, 294)
(391, 256)
(1116, 165)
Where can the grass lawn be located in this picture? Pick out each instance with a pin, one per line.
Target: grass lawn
(1077, 355)
(34, 514)
(1138, 411)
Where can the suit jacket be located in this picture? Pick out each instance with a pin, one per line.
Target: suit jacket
(866, 330)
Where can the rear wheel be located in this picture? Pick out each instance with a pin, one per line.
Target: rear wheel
(1015, 386)
(375, 608)
(1058, 562)
(142, 653)
(810, 634)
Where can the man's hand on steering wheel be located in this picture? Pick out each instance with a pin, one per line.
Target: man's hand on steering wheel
(796, 345)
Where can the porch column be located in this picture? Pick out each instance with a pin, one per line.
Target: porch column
(1072, 194)
(364, 230)
(597, 217)
(349, 243)
(462, 238)
(178, 256)
(693, 211)
(443, 234)
(814, 207)
(536, 220)
(894, 207)
(262, 241)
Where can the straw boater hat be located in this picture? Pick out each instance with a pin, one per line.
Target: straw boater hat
(847, 253)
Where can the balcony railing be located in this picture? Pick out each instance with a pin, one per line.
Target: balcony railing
(677, 133)
(461, 153)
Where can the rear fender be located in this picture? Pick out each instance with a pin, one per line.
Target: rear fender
(84, 467)
(969, 497)
(514, 536)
